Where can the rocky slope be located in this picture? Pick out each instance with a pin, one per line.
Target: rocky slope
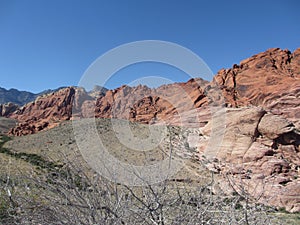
(141, 104)
(48, 111)
(259, 153)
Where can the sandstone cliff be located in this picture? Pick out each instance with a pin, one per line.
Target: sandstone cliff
(269, 79)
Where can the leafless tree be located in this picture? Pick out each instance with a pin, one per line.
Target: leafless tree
(70, 193)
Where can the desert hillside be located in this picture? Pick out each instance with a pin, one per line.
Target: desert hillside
(237, 135)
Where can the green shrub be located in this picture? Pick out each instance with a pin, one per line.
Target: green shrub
(4, 209)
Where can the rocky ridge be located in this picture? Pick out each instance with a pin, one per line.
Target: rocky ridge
(138, 104)
(269, 80)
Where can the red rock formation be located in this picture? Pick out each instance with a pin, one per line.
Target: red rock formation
(44, 112)
(270, 79)
(169, 101)
(142, 104)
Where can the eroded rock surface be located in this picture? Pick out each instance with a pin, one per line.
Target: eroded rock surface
(45, 112)
(259, 155)
(269, 79)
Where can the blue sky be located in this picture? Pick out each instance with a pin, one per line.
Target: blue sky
(47, 44)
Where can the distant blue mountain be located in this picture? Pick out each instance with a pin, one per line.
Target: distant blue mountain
(20, 97)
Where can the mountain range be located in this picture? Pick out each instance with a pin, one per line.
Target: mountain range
(260, 124)
(269, 80)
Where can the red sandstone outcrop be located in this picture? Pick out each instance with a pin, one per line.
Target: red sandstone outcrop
(143, 104)
(270, 79)
(47, 111)
(139, 104)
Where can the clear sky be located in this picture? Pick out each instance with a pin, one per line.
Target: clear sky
(47, 44)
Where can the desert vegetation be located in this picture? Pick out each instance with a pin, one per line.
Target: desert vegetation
(50, 183)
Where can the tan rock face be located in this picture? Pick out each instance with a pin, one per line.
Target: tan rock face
(259, 154)
(273, 126)
(7, 109)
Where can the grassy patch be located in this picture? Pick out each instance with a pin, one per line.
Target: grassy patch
(33, 159)
(287, 218)
(6, 210)
(4, 206)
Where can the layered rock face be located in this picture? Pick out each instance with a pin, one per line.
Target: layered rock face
(145, 105)
(269, 79)
(139, 104)
(259, 155)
